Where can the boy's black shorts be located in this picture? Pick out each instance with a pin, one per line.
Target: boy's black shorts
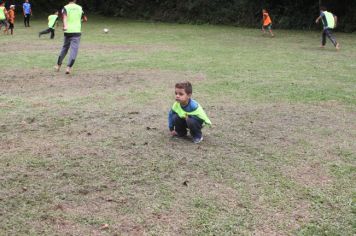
(11, 25)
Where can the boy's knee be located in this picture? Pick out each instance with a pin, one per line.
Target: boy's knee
(191, 122)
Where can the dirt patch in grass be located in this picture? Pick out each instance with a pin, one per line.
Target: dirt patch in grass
(313, 175)
(45, 46)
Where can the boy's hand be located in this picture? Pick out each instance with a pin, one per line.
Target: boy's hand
(174, 133)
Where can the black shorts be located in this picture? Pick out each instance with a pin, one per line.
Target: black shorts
(11, 25)
(3, 23)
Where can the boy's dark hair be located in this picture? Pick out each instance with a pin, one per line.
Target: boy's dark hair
(186, 85)
(323, 8)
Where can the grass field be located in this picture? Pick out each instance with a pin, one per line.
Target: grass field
(90, 153)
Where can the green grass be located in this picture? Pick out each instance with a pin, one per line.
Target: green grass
(92, 148)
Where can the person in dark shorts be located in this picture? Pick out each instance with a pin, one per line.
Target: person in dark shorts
(11, 18)
(3, 17)
(52, 21)
(329, 21)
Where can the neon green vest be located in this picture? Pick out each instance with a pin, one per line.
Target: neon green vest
(51, 20)
(330, 19)
(2, 13)
(74, 18)
(199, 112)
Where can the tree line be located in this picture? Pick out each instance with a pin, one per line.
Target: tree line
(286, 14)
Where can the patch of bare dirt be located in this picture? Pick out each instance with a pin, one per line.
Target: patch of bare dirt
(44, 83)
(88, 47)
(309, 174)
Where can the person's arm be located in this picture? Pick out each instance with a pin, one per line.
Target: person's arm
(317, 20)
(31, 10)
(64, 16)
(170, 120)
(335, 19)
(6, 13)
(84, 18)
(56, 23)
(23, 10)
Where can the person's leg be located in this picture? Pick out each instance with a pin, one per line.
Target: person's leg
(63, 53)
(52, 33)
(180, 125)
(46, 31)
(11, 27)
(323, 38)
(270, 30)
(28, 20)
(332, 38)
(24, 20)
(74, 47)
(195, 128)
(6, 30)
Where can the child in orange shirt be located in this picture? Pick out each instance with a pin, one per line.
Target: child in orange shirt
(266, 22)
(11, 19)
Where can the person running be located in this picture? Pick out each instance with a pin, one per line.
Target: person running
(266, 23)
(73, 15)
(27, 12)
(52, 21)
(11, 18)
(329, 21)
(3, 17)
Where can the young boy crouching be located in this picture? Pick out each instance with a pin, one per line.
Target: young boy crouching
(186, 113)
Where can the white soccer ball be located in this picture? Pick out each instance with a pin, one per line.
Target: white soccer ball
(106, 30)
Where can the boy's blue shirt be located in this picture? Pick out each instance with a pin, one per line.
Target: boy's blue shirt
(27, 7)
(191, 106)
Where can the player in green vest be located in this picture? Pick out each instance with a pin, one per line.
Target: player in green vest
(329, 21)
(3, 17)
(52, 22)
(73, 15)
(186, 113)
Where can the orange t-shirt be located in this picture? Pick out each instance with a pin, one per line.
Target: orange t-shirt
(11, 16)
(266, 19)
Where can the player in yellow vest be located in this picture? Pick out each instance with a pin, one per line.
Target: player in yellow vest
(3, 17)
(73, 15)
(186, 113)
(52, 21)
(329, 21)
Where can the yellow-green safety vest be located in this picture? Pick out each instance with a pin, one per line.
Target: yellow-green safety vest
(51, 20)
(2, 13)
(74, 18)
(330, 19)
(199, 112)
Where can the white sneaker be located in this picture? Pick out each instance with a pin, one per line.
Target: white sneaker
(198, 140)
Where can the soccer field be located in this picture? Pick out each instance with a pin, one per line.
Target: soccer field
(90, 153)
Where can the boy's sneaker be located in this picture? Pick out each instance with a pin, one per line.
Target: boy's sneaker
(198, 140)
